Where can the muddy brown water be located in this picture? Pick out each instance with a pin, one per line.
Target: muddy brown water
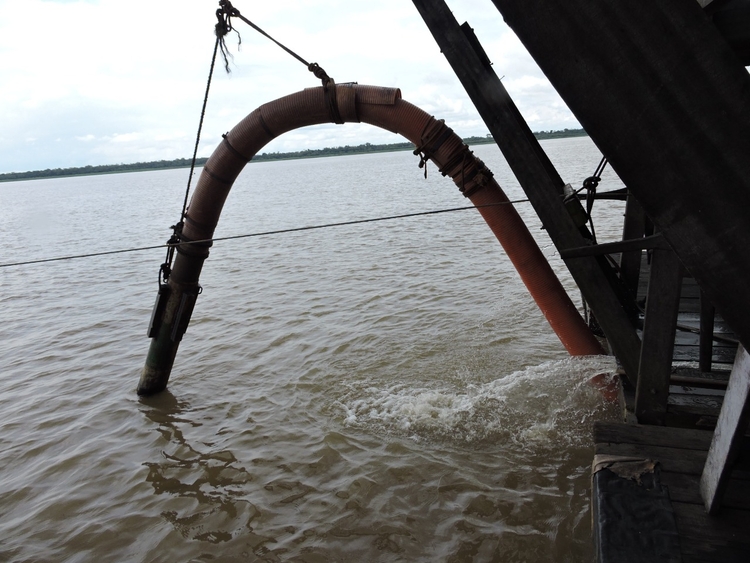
(380, 392)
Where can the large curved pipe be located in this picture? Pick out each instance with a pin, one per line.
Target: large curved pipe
(382, 107)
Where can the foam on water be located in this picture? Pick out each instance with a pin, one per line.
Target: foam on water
(549, 405)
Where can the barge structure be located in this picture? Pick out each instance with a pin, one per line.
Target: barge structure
(662, 89)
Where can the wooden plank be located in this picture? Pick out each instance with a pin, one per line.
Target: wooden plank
(664, 65)
(690, 289)
(694, 404)
(708, 315)
(674, 460)
(662, 305)
(695, 391)
(721, 538)
(692, 335)
(686, 488)
(704, 383)
(730, 429)
(682, 438)
(691, 375)
(731, 525)
(680, 454)
(653, 241)
(698, 401)
(722, 334)
(720, 356)
(698, 550)
(633, 227)
(600, 286)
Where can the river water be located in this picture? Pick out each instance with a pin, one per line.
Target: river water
(377, 392)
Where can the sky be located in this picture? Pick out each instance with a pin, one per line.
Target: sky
(120, 81)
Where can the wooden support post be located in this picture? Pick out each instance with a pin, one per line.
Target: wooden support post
(730, 429)
(537, 176)
(662, 305)
(706, 343)
(630, 262)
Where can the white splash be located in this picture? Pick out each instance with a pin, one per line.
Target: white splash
(545, 404)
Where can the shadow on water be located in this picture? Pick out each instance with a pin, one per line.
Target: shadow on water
(363, 491)
(207, 484)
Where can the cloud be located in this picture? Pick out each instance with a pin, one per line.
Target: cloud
(124, 81)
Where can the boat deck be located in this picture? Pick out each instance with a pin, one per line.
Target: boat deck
(646, 499)
(666, 519)
(687, 337)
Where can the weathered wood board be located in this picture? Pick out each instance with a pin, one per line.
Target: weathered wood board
(730, 430)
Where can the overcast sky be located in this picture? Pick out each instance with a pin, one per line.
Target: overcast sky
(120, 81)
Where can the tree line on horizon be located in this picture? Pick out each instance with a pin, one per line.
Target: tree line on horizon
(308, 153)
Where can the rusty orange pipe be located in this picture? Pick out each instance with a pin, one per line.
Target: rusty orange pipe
(382, 107)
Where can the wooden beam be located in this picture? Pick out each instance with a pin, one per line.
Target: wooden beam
(537, 176)
(620, 194)
(630, 262)
(730, 429)
(662, 306)
(706, 342)
(653, 241)
(683, 438)
(665, 99)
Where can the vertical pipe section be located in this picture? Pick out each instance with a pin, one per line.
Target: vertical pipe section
(382, 107)
(181, 294)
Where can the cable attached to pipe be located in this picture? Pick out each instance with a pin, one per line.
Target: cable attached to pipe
(226, 12)
(224, 15)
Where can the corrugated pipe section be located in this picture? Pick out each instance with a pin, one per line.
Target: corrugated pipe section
(382, 107)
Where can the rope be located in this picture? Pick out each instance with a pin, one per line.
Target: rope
(200, 126)
(173, 245)
(166, 268)
(590, 184)
(222, 28)
(226, 12)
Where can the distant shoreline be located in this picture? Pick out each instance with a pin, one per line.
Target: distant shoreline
(309, 153)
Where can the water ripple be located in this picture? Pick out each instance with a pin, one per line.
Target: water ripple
(364, 393)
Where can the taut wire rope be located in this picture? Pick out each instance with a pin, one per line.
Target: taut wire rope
(172, 245)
